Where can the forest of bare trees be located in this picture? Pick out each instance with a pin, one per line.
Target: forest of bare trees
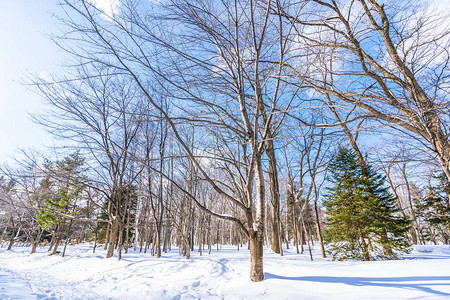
(194, 124)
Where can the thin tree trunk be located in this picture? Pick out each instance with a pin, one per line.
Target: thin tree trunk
(308, 238)
(364, 245)
(319, 230)
(35, 241)
(67, 239)
(187, 248)
(120, 243)
(275, 198)
(158, 241)
(95, 240)
(11, 241)
(127, 234)
(302, 238)
(52, 241)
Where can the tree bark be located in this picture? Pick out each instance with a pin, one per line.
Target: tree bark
(275, 198)
(11, 241)
(256, 258)
(113, 237)
(319, 229)
(33, 247)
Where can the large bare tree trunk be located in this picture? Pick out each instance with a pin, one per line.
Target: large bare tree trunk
(158, 241)
(257, 236)
(256, 258)
(113, 237)
(33, 247)
(57, 239)
(11, 242)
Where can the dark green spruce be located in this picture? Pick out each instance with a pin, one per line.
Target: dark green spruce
(363, 219)
(434, 208)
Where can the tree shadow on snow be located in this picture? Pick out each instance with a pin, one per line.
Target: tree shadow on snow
(421, 283)
(425, 257)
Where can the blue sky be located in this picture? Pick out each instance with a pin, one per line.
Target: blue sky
(24, 49)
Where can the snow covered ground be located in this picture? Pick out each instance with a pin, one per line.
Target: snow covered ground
(81, 274)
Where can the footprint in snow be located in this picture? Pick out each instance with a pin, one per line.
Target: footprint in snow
(196, 284)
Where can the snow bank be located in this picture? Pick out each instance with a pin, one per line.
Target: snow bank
(82, 274)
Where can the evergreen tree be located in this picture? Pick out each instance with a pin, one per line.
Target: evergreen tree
(363, 220)
(127, 212)
(434, 208)
(62, 187)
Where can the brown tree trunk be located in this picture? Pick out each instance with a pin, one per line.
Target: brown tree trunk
(11, 242)
(158, 241)
(308, 239)
(33, 247)
(387, 250)
(67, 239)
(120, 243)
(57, 239)
(364, 245)
(108, 228)
(95, 238)
(319, 229)
(34, 241)
(295, 235)
(200, 238)
(52, 241)
(187, 247)
(113, 237)
(127, 235)
(275, 198)
(256, 258)
(275, 232)
(56, 244)
(301, 229)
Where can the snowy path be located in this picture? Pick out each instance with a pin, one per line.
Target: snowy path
(423, 274)
(22, 286)
(13, 287)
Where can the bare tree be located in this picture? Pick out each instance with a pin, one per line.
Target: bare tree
(389, 59)
(221, 64)
(102, 114)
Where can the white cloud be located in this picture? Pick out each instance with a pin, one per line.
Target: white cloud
(108, 7)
